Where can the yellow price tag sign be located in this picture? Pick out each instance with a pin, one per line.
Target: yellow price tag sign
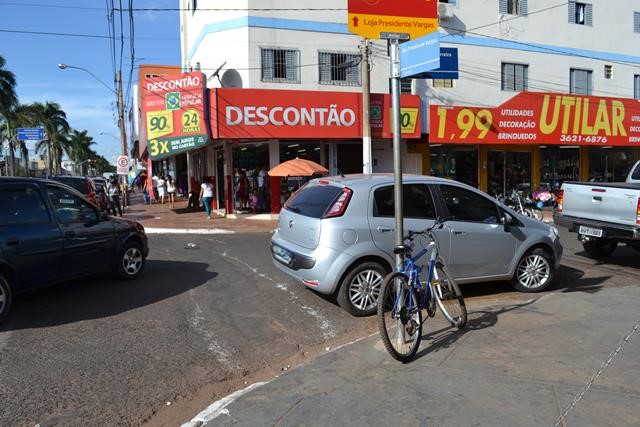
(191, 121)
(159, 123)
(408, 119)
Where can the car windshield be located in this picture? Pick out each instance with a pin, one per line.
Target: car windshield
(313, 200)
(78, 184)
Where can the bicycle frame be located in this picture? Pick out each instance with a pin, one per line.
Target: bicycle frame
(413, 271)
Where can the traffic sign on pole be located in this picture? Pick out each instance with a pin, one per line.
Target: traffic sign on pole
(420, 55)
(30, 134)
(123, 165)
(414, 18)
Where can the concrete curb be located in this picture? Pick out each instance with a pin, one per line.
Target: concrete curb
(155, 230)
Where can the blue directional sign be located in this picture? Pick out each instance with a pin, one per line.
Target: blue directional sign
(420, 55)
(448, 66)
(30, 134)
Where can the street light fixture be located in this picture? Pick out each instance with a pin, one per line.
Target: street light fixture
(118, 94)
(110, 134)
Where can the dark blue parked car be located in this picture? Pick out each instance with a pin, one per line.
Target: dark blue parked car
(51, 233)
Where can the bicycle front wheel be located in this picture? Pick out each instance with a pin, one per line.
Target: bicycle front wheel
(399, 317)
(448, 296)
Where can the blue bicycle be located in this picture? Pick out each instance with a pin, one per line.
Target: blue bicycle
(404, 295)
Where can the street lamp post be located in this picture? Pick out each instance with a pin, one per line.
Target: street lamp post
(118, 94)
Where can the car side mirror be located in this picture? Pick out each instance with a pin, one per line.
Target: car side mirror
(506, 220)
(103, 216)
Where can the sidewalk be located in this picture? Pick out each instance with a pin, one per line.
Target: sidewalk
(159, 218)
(521, 364)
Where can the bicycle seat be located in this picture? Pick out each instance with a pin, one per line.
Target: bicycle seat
(402, 249)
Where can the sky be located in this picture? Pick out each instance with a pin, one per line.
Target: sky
(37, 35)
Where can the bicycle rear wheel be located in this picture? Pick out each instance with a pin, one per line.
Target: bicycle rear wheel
(449, 297)
(399, 317)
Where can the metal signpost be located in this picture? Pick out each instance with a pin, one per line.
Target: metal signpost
(395, 21)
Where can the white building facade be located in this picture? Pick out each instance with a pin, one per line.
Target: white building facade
(586, 50)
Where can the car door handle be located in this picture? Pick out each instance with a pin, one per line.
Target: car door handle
(381, 229)
(69, 234)
(459, 233)
(12, 241)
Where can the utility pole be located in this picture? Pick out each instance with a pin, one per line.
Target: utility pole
(366, 123)
(123, 134)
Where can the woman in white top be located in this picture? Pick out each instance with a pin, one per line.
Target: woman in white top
(206, 195)
(171, 191)
(162, 188)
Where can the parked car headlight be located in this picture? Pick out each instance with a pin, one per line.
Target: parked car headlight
(554, 231)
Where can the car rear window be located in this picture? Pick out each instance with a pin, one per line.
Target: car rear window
(313, 200)
(78, 184)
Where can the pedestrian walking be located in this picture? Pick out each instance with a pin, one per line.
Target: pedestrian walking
(243, 196)
(162, 188)
(114, 195)
(171, 191)
(206, 195)
(262, 189)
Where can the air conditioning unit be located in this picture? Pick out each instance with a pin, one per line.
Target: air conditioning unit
(445, 11)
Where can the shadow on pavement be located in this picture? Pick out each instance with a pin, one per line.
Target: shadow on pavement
(447, 337)
(102, 296)
(623, 257)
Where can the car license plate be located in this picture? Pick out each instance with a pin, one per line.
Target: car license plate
(590, 231)
(281, 255)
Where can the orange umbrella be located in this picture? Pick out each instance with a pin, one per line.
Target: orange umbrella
(298, 167)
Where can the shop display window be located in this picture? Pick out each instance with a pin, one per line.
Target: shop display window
(559, 164)
(609, 164)
(455, 162)
(508, 171)
(248, 160)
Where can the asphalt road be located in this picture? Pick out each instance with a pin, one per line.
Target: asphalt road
(202, 322)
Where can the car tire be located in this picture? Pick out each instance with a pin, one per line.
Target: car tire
(600, 248)
(5, 298)
(534, 272)
(130, 262)
(360, 288)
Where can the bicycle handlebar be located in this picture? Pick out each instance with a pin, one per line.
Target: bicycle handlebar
(438, 223)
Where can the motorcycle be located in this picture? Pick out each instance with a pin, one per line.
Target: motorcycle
(524, 205)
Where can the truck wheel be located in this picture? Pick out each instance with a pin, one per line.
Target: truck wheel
(599, 248)
(358, 293)
(534, 272)
(5, 298)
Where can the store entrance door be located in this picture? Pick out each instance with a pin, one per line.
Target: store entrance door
(508, 171)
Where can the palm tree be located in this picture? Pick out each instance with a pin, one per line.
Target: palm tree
(56, 127)
(8, 100)
(8, 97)
(78, 146)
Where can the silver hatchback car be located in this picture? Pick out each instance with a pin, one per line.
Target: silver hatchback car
(336, 235)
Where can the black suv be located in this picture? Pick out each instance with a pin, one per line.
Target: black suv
(83, 184)
(50, 233)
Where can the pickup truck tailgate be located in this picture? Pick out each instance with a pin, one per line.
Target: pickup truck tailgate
(618, 204)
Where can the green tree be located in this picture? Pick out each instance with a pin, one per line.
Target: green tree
(56, 127)
(78, 147)
(8, 101)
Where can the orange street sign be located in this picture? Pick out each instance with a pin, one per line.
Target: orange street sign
(369, 18)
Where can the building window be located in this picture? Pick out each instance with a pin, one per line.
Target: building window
(453, 2)
(406, 85)
(608, 71)
(636, 86)
(339, 68)
(280, 65)
(636, 22)
(513, 7)
(514, 77)
(580, 13)
(446, 83)
(580, 81)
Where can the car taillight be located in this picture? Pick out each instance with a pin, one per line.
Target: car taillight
(638, 212)
(340, 205)
(559, 200)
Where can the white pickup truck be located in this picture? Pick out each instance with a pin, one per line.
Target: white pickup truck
(603, 214)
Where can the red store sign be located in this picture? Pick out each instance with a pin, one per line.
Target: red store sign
(289, 114)
(540, 118)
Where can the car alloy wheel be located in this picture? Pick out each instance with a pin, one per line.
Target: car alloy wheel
(360, 288)
(534, 272)
(132, 261)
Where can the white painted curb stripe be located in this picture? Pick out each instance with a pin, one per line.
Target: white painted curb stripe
(152, 230)
(217, 407)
